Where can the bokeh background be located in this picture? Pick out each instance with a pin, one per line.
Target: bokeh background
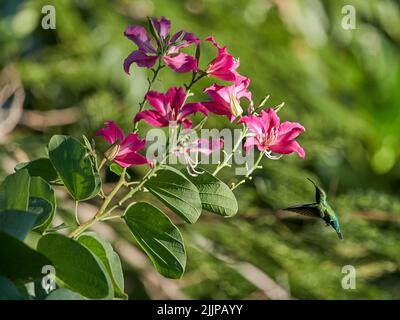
(342, 85)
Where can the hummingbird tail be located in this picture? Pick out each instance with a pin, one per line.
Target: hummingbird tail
(339, 235)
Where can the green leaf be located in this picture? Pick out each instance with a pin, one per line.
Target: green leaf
(117, 169)
(18, 261)
(159, 238)
(71, 160)
(42, 201)
(216, 196)
(104, 251)
(64, 294)
(17, 223)
(41, 167)
(14, 191)
(8, 291)
(76, 266)
(177, 193)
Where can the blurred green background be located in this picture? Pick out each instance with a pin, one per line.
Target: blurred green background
(342, 85)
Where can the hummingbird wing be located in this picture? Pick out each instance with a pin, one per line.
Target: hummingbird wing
(309, 210)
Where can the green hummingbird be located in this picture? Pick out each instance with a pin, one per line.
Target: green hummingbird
(319, 209)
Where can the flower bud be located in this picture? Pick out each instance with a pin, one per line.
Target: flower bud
(112, 152)
(236, 109)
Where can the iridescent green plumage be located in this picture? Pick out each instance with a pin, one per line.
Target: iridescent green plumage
(319, 209)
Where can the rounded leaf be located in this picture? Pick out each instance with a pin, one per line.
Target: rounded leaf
(14, 191)
(41, 167)
(64, 294)
(71, 160)
(159, 238)
(76, 266)
(177, 193)
(42, 200)
(216, 196)
(18, 261)
(17, 223)
(110, 259)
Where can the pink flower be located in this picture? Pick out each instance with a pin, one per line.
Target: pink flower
(124, 149)
(271, 136)
(168, 48)
(169, 107)
(224, 65)
(190, 152)
(226, 100)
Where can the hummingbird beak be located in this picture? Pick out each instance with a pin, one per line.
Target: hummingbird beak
(312, 182)
(336, 227)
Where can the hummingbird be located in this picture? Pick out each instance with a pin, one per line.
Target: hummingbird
(319, 209)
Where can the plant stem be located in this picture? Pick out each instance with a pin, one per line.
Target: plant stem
(195, 78)
(102, 163)
(228, 157)
(140, 185)
(250, 172)
(151, 82)
(100, 213)
(76, 213)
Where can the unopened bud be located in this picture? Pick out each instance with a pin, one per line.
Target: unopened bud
(236, 109)
(112, 152)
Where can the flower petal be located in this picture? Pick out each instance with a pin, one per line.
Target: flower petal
(241, 89)
(286, 148)
(191, 108)
(141, 59)
(187, 124)
(187, 39)
(176, 97)
(163, 26)
(158, 101)
(269, 120)
(289, 131)
(152, 117)
(140, 37)
(255, 124)
(205, 145)
(131, 143)
(181, 62)
(129, 159)
(111, 133)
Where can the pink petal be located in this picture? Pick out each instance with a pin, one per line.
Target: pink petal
(289, 147)
(141, 59)
(152, 117)
(220, 94)
(111, 133)
(158, 101)
(176, 97)
(224, 65)
(289, 131)
(187, 39)
(241, 89)
(181, 62)
(250, 142)
(270, 119)
(217, 108)
(205, 146)
(140, 37)
(163, 26)
(211, 39)
(254, 124)
(187, 124)
(191, 108)
(131, 143)
(129, 159)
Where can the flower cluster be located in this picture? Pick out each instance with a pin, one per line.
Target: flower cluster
(264, 129)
